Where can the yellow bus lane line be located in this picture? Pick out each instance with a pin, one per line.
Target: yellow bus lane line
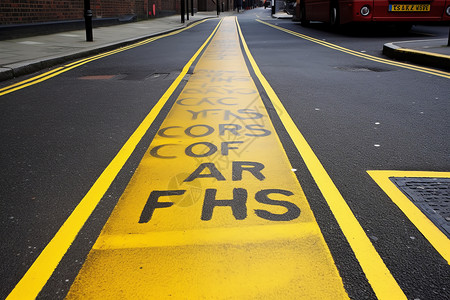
(43, 267)
(214, 210)
(435, 236)
(430, 71)
(59, 70)
(378, 275)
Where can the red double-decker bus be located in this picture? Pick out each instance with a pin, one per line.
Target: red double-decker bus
(338, 12)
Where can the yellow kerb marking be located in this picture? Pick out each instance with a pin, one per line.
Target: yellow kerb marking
(213, 210)
(436, 237)
(425, 53)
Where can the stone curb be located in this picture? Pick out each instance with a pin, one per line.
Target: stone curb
(419, 57)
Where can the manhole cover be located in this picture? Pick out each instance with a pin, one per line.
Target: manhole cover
(431, 196)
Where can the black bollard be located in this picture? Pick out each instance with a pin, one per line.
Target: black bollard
(88, 20)
(182, 11)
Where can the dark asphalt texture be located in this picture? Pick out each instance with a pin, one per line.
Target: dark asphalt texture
(59, 135)
(336, 101)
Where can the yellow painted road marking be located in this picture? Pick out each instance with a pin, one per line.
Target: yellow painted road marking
(214, 209)
(378, 275)
(362, 55)
(208, 236)
(38, 274)
(57, 71)
(406, 50)
(435, 236)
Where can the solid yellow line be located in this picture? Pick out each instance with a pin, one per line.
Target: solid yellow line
(10, 88)
(38, 274)
(362, 55)
(435, 236)
(406, 50)
(378, 275)
(30, 79)
(60, 70)
(101, 55)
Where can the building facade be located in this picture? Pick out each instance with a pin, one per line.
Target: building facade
(39, 11)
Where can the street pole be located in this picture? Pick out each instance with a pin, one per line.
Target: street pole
(218, 7)
(182, 11)
(192, 7)
(448, 43)
(187, 9)
(88, 20)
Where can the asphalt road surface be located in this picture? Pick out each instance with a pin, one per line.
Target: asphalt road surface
(306, 214)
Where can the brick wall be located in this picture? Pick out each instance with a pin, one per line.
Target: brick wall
(211, 5)
(26, 11)
(36, 11)
(114, 8)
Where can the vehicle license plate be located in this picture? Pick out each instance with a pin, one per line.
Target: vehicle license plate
(409, 7)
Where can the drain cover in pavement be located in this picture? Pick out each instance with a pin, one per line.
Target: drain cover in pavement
(431, 196)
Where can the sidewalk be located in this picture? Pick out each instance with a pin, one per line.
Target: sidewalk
(433, 52)
(282, 15)
(27, 55)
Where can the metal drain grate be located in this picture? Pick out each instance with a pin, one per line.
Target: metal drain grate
(431, 196)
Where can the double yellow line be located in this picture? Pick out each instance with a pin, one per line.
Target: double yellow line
(43, 267)
(362, 55)
(380, 278)
(384, 285)
(73, 65)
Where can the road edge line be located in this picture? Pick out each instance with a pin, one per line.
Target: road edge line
(88, 56)
(43, 267)
(383, 283)
(380, 60)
